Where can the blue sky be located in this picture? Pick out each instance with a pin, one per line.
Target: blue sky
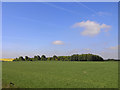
(60, 28)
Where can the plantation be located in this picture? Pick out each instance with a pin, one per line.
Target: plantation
(60, 74)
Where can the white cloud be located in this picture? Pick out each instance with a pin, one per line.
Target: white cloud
(87, 49)
(58, 42)
(110, 52)
(103, 13)
(114, 47)
(91, 28)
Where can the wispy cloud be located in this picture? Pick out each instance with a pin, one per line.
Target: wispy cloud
(101, 14)
(61, 8)
(110, 52)
(92, 10)
(58, 42)
(95, 13)
(91, 28)
(114, 47)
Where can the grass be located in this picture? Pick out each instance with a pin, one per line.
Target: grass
(58, 74)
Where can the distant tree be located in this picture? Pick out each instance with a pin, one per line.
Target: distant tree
(89, 57)
(110, 59)
(43, 58)
(21, 58)
(26, 58)
(32, 59)
(74, 57)
(37, 58)
(97, 58)
(49, 58)
(16, 59)
(67, 58)
(55, 58)
(60, 58)
(84, 58)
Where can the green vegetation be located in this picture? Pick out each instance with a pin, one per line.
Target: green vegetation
(75, 57)
(54, 74)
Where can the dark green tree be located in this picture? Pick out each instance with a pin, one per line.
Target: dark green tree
(55, 58)
(49, 58)
(26, 58)
(74, 57)
(21, 58)
(37, 58)
(16, 59)
(43, 58)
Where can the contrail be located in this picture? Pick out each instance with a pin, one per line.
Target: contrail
(62, 8)
(71, 11)
(92, 10)
(86, 7)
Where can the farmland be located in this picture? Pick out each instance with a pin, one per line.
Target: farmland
(60, 74)
(6, 59)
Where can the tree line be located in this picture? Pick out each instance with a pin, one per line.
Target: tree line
(74, 57)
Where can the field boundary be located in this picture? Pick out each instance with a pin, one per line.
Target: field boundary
(60, 89)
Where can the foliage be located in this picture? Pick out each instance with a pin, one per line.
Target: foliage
(43, 58)
(74, 57)
(37, 58)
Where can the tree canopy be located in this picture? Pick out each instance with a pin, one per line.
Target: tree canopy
(74, 57)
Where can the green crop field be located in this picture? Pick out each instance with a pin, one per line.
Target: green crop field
(60, 74)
